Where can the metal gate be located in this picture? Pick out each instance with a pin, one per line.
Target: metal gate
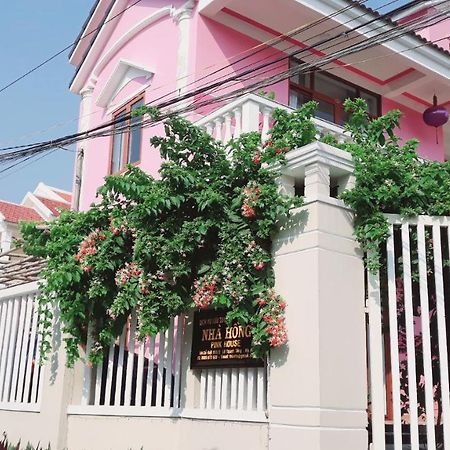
(409, 403)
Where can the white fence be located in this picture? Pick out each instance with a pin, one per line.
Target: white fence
(147, 376)
(20, 374)
(408, 337)
(233, 389)
(138, 373)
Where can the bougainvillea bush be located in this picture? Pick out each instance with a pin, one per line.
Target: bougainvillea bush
(199, 236)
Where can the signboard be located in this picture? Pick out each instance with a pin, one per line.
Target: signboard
(216, 345)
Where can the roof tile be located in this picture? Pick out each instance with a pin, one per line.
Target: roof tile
(15, 213)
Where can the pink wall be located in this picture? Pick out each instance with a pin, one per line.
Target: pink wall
(161, 59)
(211, 47)
(218, 45)
(413, 127)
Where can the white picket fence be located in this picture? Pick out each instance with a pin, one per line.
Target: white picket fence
(138, 372)
(233, 389)
(20, 374)
(409, 401)
(149, 373)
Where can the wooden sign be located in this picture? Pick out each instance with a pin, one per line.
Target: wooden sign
(216, 345)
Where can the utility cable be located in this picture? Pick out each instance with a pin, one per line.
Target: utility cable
(55, 55)
(270, 81)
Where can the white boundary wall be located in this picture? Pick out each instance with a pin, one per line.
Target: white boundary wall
(317, 394)
(33, 407)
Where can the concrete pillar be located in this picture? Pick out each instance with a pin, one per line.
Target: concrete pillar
(318, 392)
(83, 125)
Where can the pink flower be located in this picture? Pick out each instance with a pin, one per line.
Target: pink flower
(204, 294)
(248, 211)
(259, 266)
(257, 158)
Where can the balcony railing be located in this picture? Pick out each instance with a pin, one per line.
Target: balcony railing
(253, 112)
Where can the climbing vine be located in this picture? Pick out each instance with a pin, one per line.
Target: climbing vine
(390, 178)
(199, 236)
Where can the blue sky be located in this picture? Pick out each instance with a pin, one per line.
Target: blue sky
(40, 107)
(29, 33)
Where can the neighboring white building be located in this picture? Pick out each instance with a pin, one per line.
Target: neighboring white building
(43, 204)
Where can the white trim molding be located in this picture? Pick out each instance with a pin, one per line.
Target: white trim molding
(124, 72)
(92, 64)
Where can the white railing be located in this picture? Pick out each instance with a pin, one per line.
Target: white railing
(20, 374)
(253, 112)
(407, 329)
(148, 378)
(138, 373)
(242, 389)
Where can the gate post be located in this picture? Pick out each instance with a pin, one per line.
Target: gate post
(318, 382)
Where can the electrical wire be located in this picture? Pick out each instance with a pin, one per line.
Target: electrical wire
(55, 55)
(230, 61)
(392, 35)
(218, 82)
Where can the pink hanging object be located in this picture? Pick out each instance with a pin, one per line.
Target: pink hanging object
(436, 116)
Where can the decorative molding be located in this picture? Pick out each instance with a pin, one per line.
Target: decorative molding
(184, 12)
(124, 72)
(130, 34)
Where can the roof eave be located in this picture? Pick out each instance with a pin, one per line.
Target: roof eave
(86, 35)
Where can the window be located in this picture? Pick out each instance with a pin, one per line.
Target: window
(329, 92)
(126, 144)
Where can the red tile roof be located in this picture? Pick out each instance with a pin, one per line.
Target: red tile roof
(16, 213)
(66, 196)
(53, 205)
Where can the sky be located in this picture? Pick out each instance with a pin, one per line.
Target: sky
(40, 107)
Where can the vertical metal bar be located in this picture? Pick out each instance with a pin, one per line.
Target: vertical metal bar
(410, 338)
(442, 334)
(130, 359)
(426, 336)
(19, 343)
(160, 373)
(151, 359)
(393, 335)
(178, 356)
(376, 363)
(169, 361)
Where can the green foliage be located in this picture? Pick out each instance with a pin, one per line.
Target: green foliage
(198, 236)
(390, 178)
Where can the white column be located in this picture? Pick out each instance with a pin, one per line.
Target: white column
(5, 239)
(250, 116)
(237, 122)
(227, 132)
(317, 180)
(182, 18)
(318, 392)
(84, 120)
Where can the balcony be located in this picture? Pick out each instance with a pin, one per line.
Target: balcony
(253, 112)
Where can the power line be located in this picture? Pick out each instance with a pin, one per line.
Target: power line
(393, 34)
(261, 46)
(55, 55)
(218, 83)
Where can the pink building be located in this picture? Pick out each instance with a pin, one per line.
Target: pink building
(154, 51)
(339, 382)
